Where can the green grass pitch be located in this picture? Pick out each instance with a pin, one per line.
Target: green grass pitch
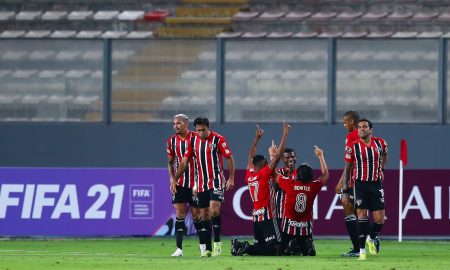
(154, 253)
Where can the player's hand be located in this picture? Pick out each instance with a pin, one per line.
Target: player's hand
(273, 149)
(286, 128)
(338, 188)
(318, 151)
(173, 186)
(259, 132)
(229, 184)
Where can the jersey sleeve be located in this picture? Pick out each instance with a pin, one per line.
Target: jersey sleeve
(224, 148)
(384, 146)
(284, 182)
(170, 152)
(349, 153)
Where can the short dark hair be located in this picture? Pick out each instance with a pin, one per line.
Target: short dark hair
(257, 159)
(305, 173)
(288, 150)
(353, 115)
(201, 121)
(366, 120)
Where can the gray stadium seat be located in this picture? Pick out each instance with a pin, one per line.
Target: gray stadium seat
(140, 34)
(322, 16)
(63, 34)
(28, 15)
(270, 15)
(280, 35)
(12, 34)
(114, 34)
(37, 34)
(105, 15)
(131, 15)
(80, 15)
(348, 16)
(88, 34)
(7, 15)
(54, 15)
(296, 16)
(245, 16)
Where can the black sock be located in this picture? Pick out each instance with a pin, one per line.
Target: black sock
(363, 230)
(197, 225)
(217, 227)
(179, 232)
(352, 229)
(375, 230)
(206, 230)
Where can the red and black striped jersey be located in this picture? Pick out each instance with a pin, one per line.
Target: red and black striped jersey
(208, 160)
(262, 192)
(299, 198)
(176, 147)
(349, 140)
(280, 195)
(367, 159)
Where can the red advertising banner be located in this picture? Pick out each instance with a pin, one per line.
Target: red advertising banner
(426, 210)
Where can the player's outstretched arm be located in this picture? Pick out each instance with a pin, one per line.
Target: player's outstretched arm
(274, 162)
(252, 152)
(323, 165)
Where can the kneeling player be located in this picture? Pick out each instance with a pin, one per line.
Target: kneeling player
(297, 223)
(267, 237)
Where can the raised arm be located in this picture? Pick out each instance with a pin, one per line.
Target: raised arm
(274, 162)
(323, 165)
(252, 152)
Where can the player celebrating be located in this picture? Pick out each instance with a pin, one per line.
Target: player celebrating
(297, 222)
(267, 237)
(368, 156)
(208, 147)
(289, 170)
(182, 189)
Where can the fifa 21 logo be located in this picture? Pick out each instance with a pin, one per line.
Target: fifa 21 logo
(31, 200)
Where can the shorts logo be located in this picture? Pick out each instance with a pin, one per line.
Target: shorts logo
(358, 202)
(270, 238)
(382, 193)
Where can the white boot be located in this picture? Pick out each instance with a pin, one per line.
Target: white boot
(178, 253)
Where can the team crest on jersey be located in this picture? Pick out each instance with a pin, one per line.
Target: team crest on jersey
(212, 146)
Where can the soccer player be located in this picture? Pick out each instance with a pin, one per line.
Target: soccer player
(208, 148)
(182, 189)
(289, 170)
(351, 125)
(267, 237)
(297, 222)
(368, 156)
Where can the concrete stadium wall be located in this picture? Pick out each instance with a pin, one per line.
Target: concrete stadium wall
(142, 144)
